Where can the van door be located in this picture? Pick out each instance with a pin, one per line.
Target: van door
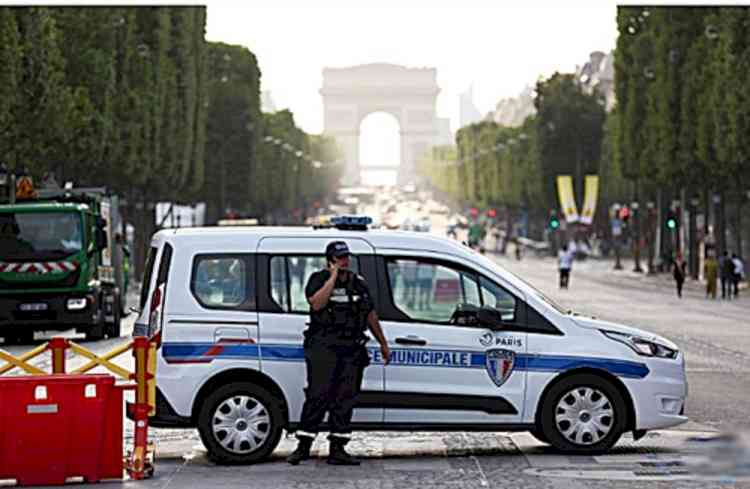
(445, 367)
(285, 264)
(210, 322)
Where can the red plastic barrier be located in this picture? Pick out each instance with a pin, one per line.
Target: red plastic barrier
(60, 426)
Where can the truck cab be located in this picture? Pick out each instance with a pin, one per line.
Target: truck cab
(60, 267)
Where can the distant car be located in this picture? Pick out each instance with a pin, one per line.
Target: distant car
(423, 225)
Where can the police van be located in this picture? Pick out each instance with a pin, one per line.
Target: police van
(473, 347)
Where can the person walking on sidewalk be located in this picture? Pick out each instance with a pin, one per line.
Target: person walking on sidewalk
(341, 309)
(726, 271)
(565, 262)
(738, 273)
(679, 272)
(711, 272)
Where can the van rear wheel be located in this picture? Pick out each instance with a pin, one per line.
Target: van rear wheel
(583, 414)
(240, 423)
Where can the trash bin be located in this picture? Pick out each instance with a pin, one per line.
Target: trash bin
(58, 427)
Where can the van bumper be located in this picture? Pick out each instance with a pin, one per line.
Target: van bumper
(659, 398)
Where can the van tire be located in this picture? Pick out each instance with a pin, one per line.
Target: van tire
(565, 393)
(233, 393)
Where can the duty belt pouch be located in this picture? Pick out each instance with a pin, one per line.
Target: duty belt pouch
(361, 357)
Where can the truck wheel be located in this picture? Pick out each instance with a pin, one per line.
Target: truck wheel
(240, 423)
(19, 338)
(583, 414)
(113, 328)
(96, 332)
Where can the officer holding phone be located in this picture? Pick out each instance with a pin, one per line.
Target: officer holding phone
(341, 309)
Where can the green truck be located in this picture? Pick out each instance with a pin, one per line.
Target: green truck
(63, 264)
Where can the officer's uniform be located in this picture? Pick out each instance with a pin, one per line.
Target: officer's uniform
(335, 354)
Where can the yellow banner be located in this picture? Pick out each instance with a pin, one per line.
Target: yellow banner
(590, 197)
(567, 198)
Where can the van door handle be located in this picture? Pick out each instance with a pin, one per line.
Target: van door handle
(411, 340)
(233, 335)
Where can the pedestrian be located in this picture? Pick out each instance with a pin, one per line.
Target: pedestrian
(341, 309)
(711, 272)
(679, 272)
(565, 261)
(738, 273)
(726, 272)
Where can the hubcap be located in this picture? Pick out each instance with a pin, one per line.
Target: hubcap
(241, 424)
(584, 416)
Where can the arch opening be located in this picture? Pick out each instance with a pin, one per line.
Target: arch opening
(379, 149)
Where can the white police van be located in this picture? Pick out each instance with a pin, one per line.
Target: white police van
(473, 347)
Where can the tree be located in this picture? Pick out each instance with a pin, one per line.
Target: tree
(10, 77)
(569, 131)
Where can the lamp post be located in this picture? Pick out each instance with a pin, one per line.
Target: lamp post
(692, 241)
(637, 236)
(650, 224)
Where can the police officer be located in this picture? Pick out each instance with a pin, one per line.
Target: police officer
(341, 309)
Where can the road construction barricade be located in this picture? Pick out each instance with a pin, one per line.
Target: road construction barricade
(60, 426)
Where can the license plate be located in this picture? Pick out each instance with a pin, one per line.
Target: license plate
(37, 306)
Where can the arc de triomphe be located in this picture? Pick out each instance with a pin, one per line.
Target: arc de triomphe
(409, 94)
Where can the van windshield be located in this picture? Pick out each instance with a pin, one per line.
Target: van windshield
(43, 236)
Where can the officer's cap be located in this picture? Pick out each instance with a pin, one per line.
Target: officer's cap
(337, 249)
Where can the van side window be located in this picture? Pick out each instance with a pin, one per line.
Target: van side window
(289, 276)
(433, 292)
(495, 296)
(223, 281)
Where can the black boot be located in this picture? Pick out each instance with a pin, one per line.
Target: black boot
(302, 452)
(338, 456)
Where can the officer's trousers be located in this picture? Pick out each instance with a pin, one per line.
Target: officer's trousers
(334, 378)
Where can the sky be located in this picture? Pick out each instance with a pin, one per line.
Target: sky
(498, 47)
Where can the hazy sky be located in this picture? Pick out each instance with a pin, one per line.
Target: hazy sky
(499, 47)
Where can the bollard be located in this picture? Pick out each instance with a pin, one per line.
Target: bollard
(139, 466)
(58, 346)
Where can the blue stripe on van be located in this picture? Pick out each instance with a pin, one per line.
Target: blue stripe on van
(207, 352)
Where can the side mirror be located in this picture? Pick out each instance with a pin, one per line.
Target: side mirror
(491, 318)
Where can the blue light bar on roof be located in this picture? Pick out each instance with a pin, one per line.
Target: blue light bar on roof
(351, 222)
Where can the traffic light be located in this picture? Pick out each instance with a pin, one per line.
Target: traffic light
(671, 220)
(554, 222)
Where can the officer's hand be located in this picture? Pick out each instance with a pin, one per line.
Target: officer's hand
(385, 352)
(333, 267)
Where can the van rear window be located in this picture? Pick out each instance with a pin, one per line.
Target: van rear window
(224, 281)
(150, 259)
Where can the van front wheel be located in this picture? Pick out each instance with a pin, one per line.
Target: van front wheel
(583, 414)
(240, 423)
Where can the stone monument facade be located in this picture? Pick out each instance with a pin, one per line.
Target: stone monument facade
(409, 94)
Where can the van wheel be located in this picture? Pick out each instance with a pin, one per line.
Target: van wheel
(240, 423)
(583, 414)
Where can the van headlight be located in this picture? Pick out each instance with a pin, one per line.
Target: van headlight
(642, 346)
